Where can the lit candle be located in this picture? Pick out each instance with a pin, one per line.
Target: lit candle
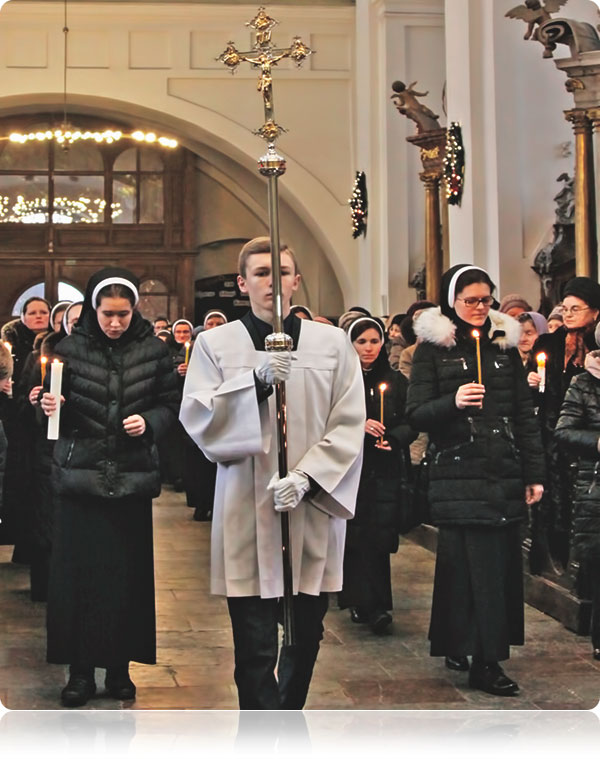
(56, 369)
(8, 347)
(541, 370)
(477, 337)
(187, 353)
(43, 362)
(382, 389)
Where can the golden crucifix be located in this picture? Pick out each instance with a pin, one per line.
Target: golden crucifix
(265, 55)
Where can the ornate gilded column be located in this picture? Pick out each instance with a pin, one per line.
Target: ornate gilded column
(593, 115)
(433, 237)
(432, 145)
(585, 222)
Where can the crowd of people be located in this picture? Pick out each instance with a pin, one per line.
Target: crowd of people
(488, 411)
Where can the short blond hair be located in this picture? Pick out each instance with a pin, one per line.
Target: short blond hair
(262, 245)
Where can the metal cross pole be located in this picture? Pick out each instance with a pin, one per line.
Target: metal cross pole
(265, 55)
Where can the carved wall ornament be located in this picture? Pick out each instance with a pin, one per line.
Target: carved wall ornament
(428, 155)
(573, 84)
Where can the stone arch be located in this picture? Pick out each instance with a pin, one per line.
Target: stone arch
(229, 146)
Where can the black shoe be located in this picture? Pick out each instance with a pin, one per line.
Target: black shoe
(457, 663)
(358, 616)
(379, 622)
(491, 679)
(119, 685)
(78, 690)
(201, 515)
(596, 654)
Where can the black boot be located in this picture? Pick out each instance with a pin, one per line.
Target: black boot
(457, 663)
(379, 621)
(119, 684)
(490, 678)
(80, 688)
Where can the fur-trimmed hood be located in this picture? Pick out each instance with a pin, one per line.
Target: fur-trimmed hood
(433, 327)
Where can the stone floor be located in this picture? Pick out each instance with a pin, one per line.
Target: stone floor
(355, 670)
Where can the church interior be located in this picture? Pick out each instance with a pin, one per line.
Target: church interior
(417, 135)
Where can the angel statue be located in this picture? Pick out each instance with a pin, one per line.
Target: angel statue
(405, 100)
(535, 14)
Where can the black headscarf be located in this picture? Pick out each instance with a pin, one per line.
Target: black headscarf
(88, 320)
(449, 280)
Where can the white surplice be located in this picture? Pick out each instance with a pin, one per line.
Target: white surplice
(326, 416)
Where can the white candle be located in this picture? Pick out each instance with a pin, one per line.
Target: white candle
(56, 369)
(541, 370)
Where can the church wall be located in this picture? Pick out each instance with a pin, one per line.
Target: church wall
(156, 62)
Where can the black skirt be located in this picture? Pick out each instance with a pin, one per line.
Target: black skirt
(101, 591)
(477, 606)
(367, 578)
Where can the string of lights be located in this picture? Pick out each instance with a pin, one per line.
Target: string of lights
(70, 136)
(65, 211)
(454, 165)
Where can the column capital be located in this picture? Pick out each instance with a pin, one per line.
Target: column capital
(431, 179)
(579, 119)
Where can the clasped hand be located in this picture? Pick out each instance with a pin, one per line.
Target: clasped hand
(276, 366)
(289, 491)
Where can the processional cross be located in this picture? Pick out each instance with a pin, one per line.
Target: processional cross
(265, 55)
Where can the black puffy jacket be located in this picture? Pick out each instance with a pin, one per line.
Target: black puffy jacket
(481, 460)
(578, 431)
(104, 382)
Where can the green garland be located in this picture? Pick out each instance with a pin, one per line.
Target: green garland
(359, 205)
(454, 165)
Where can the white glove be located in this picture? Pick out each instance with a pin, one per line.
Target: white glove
(275, 367)
(288, 492)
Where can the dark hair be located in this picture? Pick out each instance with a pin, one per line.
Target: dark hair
(525, 317)
(363, 326)
(161, 319)
(473, 277)
(33, 300)
(115, 291)
(262, 245)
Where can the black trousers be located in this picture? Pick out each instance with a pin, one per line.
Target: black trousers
(254, 622)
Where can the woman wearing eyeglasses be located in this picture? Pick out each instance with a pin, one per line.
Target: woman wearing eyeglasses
(566, 349)
(486, 464)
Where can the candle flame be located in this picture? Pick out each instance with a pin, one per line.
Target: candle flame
(56, 361)
(382, 387)
(541, 359)
(44, 359)
(187, 344)
(475, 334)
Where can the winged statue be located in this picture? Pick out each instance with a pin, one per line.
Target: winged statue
(535, 13)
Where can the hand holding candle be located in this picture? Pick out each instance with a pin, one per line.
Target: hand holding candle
(541, 370)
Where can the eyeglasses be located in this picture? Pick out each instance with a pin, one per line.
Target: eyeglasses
(473, 302)
(575, 310)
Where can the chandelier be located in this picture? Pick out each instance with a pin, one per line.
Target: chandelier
(66, 210)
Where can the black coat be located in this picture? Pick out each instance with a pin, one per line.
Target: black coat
(578, 430)
(481, 460)
(106, 381)
(3, 450)
(383, 472)
(557, 505)
(21, 339)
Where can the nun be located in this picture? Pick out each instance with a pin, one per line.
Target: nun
(469, 392)
(119, 396)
